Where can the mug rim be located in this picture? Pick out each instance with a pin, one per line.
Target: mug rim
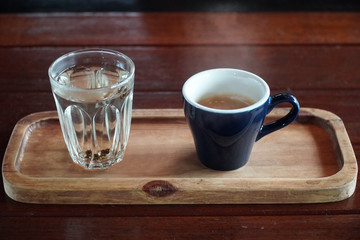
(256, 105)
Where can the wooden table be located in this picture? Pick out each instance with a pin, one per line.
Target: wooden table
(315, 56)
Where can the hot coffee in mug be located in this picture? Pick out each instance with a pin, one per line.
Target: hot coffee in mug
(225, 109)
(225, 101)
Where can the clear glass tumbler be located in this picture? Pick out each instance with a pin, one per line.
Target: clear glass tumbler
(93, 92)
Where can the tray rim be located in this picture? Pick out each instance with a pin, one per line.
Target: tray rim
(342, 184)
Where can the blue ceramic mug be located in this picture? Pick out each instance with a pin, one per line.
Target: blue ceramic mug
(224, 138)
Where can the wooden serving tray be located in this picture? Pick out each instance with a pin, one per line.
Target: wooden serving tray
(310, 161)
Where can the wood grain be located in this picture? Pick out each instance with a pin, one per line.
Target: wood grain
(166, 68)
(178, 29)
(160, 165)
(312, 55)
(214, 227)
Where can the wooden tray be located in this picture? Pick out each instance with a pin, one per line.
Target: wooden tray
(310, 161)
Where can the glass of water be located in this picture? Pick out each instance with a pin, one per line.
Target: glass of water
(93, 92)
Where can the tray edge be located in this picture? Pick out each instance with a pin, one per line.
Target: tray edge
(346, 177)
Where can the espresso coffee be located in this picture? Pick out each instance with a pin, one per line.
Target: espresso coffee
(226, 101)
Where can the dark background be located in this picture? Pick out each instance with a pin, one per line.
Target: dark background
(24, 6)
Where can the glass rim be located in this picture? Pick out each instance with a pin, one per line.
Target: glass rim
(92, 50)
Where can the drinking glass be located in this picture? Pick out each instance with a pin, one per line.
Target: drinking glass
(93, 92)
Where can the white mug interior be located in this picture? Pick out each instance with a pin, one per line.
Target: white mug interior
(226, 81)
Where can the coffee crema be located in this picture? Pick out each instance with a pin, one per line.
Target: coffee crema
(225, 101)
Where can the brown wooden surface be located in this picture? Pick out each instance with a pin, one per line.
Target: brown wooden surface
(160, 164)
(315, 56)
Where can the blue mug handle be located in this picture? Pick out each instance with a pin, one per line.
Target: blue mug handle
(284, 121)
